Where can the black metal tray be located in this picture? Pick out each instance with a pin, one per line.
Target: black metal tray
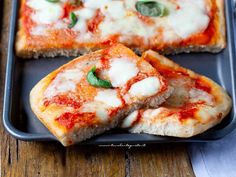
(22, 75)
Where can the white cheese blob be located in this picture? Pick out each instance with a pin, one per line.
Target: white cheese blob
(95, 4)
(83, 15)
(191, 18)
(146, 87)
(130, 5)
(129, 120)
(114, 10)
(122, 70)
(96, 107)
(45, 12)
(103, 101)
(65, 81)
(80, 26)
(109, 97)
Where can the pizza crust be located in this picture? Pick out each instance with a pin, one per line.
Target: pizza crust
(25, 50)
(160, 122)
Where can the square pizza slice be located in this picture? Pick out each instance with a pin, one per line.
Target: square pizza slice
(72, 27)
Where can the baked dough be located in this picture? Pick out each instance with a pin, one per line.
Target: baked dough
(196, 104)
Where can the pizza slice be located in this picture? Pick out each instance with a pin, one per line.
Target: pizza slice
(71, 27)
(92, 93)
(196, 104)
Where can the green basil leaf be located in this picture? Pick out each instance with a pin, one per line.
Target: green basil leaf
(53, 1)
(151, 8)
(95, 81)
(73, 20)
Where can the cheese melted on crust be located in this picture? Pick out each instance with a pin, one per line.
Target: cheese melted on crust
(185, 95)
(121, 71)
(108, 97)
(145, 88)
(185, 18)
(64, 82)
(45, 12)
(99, 101)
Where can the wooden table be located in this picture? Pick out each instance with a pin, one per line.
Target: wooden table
(31, 159)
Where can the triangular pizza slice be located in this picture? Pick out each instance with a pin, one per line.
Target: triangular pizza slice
(196, 104)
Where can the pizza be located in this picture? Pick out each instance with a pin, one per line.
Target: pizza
(196, 104)
(93, 93)
(70, 27)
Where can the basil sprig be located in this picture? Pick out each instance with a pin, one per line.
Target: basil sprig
(73, 20)
(151, 8)
(53, 1)
(95, 81)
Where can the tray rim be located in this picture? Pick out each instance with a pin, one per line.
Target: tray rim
(18, 134)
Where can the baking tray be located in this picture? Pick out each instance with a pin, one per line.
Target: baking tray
(22, 75)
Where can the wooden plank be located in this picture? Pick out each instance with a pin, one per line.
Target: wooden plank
(160, 160)
(50, 159)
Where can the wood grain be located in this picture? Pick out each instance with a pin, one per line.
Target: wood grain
(47, 159)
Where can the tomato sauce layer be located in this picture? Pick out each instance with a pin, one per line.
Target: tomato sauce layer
(69, 120)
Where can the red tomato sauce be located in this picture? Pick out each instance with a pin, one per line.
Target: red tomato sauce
(139, 116)
(187, 113)
(172, 73)
(27, 22)
(69, 7)
(188, 110)
(112, 40)
(63, 100)
(199, 84)
(69, 120)
(94, 22)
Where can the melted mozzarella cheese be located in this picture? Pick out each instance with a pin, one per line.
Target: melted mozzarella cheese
(114, 9)
(109, 97)
(185, 18)
(96, 107)
(45, 12)
(129, 26)
(129, 120)
(95, 4)
(146, 87)
(83, 15)
(102, 102)
(191, 18)
(64, 82)
(121, 70)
